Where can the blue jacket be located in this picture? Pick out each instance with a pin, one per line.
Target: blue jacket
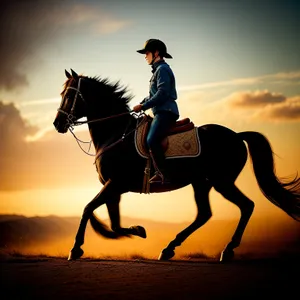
(162, 90)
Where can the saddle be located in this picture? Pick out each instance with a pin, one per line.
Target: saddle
(181, 141)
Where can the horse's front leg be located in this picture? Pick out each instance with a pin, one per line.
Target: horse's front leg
(99, 199)
(113, 207)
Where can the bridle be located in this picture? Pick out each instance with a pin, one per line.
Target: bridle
(71, 121)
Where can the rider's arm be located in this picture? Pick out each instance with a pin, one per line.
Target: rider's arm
(163, 86)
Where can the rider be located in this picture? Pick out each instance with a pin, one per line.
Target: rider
(161, 99)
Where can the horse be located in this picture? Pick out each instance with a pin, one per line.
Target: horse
(112, 126)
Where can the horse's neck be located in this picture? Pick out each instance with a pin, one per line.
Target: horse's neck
(104, 133)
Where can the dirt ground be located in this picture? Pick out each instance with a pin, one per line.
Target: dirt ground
(57, 278)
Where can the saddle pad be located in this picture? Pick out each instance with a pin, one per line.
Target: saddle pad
(182, 144)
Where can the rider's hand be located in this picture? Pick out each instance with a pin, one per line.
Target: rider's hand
(138, 108)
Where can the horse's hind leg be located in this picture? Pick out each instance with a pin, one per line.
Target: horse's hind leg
(246, 206)
(201, 193)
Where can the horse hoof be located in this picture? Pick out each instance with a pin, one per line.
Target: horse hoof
(226, 255)
(166, 254)
(139, 231)
(75, 253)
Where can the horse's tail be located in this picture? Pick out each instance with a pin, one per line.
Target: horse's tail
(101, 229)
(283, 193)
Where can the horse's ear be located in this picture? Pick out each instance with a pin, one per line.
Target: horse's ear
(74, 74)
(68, 74)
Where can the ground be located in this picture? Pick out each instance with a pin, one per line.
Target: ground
(57, 278)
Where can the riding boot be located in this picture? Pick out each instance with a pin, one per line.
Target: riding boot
(158, 160)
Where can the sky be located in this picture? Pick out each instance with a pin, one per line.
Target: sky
(236, 63)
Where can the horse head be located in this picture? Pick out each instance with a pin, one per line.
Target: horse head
(93, 98)
(73, 104)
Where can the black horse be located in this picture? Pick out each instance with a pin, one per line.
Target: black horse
(121, 168)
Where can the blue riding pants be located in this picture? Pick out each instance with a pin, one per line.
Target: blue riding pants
(161, 124)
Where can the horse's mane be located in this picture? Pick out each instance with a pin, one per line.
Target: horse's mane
(118, 95)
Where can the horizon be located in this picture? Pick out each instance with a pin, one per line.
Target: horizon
(236, 64)
(36, 237)
(105, 219)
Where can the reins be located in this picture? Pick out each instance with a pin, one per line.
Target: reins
(100, 120)
(124, 135)
(80, 141)
(119, 140)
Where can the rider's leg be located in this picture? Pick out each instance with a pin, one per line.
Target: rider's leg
(161, 124)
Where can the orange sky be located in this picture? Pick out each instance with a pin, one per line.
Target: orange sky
(52, 175)
(58, 178)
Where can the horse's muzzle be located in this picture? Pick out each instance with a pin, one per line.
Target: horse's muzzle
(61, 127)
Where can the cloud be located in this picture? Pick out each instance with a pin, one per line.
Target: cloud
(25, 25)
(23, 28)
(266, 105)
(99, 21)
(278, 78)
(49, 162)
(240, 107)
(210, 85)
(289, 110)
(254, 99)
(40, 102)
(285, 76)
(110, 26)
(13, 129)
